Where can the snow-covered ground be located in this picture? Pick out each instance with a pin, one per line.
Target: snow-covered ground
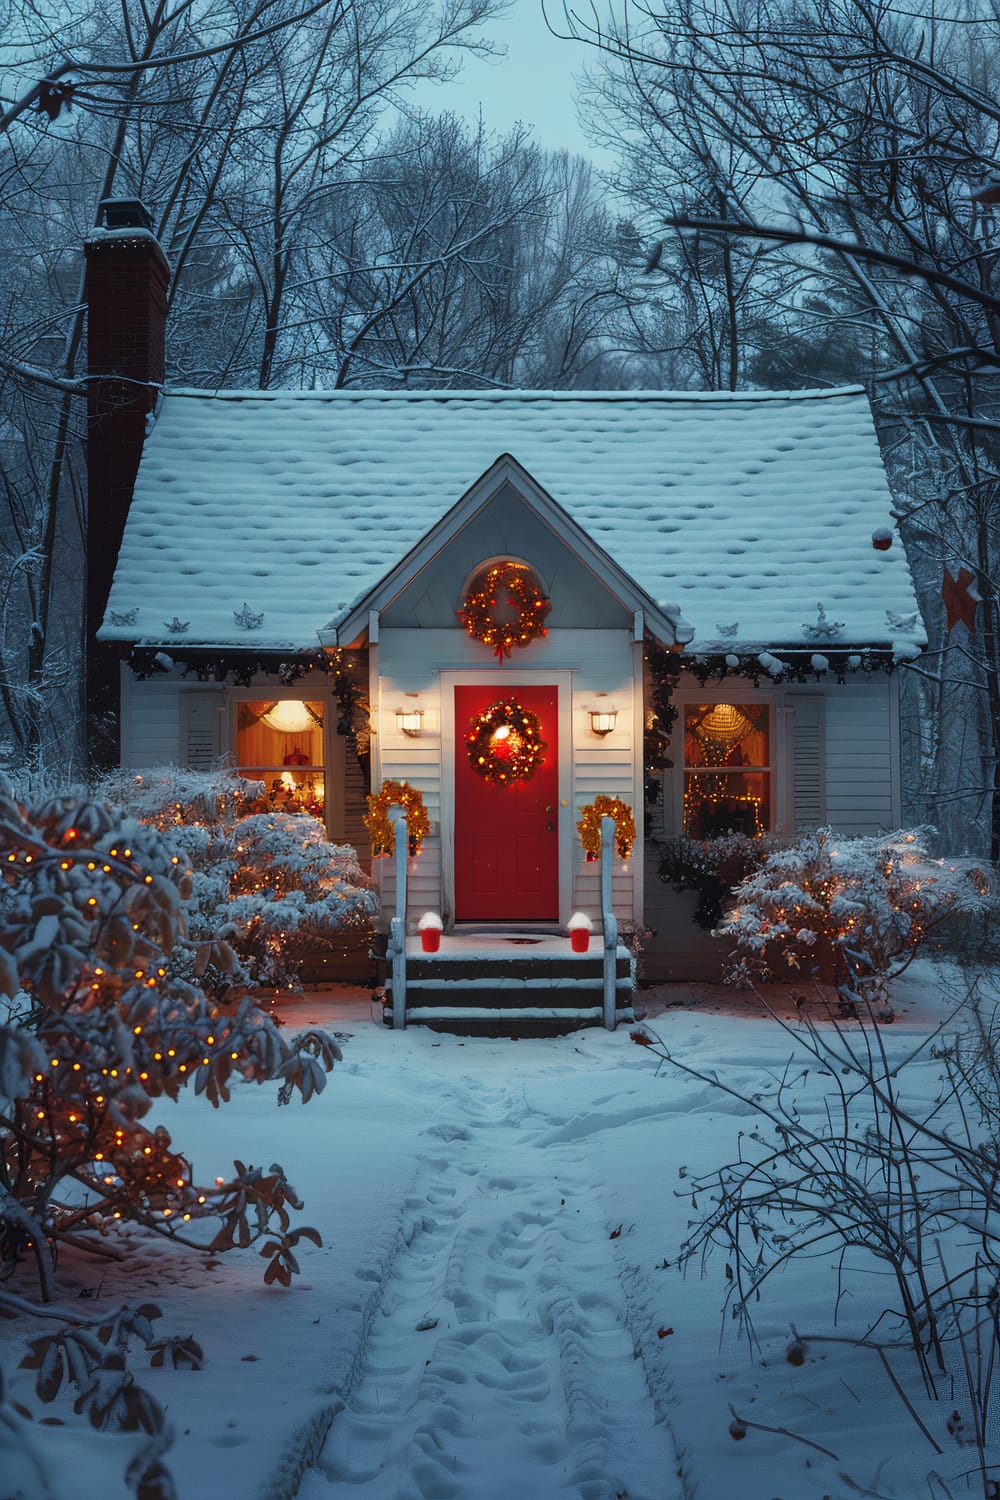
(496, 1309)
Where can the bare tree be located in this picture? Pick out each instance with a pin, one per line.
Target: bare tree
(864, 138)
(175, 103)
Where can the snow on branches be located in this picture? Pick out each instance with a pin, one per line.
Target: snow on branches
(862, 906)
(269, 883)
(91, 908)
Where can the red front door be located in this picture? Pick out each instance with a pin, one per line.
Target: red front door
(506, 838)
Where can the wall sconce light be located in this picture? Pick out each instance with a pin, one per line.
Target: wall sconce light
(409, 721)
(603, 720)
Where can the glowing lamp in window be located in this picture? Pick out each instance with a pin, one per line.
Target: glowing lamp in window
(727, 770)
(289, 716)
(409, 721)
(281, 743)
(603, 720)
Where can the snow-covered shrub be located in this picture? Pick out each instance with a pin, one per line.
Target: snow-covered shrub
(268, 882)
(858, 907)
(91, 906)
(93, 1031)
(579, 922)
(430, 922)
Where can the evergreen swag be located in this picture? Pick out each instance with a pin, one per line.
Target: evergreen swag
(347, 668)
(712, 867)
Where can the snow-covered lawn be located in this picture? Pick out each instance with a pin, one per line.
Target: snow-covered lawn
(496, 1311)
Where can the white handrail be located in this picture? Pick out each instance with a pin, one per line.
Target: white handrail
(609, 922)
(397, 927)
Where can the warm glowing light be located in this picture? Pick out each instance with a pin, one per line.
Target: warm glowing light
(603, 720)
(409, 721)
(290, 716)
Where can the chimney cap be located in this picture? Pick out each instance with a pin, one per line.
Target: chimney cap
(125, 213)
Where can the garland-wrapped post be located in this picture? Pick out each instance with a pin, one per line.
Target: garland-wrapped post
(589, 826)
(379, 824)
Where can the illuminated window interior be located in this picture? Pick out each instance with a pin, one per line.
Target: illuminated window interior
(727, 769)
(280, 742)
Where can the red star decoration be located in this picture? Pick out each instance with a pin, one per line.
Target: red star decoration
(959, 603)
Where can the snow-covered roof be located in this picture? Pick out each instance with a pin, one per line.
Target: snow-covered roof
(747, 510)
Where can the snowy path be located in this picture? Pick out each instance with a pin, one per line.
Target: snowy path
(499, 1361)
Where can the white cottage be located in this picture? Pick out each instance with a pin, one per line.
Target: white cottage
(692, 602)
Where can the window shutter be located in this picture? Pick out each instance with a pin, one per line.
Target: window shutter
(808, 763)
(201, 730)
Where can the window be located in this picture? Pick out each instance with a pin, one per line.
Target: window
(727, 769)
(280, 742)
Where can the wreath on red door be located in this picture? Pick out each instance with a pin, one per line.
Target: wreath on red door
(505, 743)
(478, 614)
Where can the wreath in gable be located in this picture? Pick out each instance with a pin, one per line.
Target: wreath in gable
(479, 611)
(589, 826)
(379, 825)
(505, 743)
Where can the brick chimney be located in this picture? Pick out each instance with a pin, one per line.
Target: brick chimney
(126, 293)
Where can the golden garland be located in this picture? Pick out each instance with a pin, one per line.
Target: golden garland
(380, 829)
(589, 826)
(531, 604)
(505, 743)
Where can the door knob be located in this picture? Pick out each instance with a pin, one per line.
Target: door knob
(550, 809)
(549, 827)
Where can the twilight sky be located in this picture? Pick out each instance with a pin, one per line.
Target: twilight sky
(534, 83)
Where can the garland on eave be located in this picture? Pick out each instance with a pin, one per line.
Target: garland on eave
(768, 667)
(348, 669)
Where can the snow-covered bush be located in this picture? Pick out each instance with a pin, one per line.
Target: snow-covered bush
(854, 909)
(267, 882)
(91, 907)
(93, 1030)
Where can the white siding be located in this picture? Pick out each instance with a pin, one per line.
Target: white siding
(151, 722)
(859, 745)
(585, 663)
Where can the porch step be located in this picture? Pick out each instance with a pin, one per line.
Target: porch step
(510, 985)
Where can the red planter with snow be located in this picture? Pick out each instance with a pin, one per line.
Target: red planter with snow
(430, 939)
(579, 939)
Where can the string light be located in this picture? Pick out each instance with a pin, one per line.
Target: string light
(479, 618)
(505, 743)
(379, 825)
(589, 826)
